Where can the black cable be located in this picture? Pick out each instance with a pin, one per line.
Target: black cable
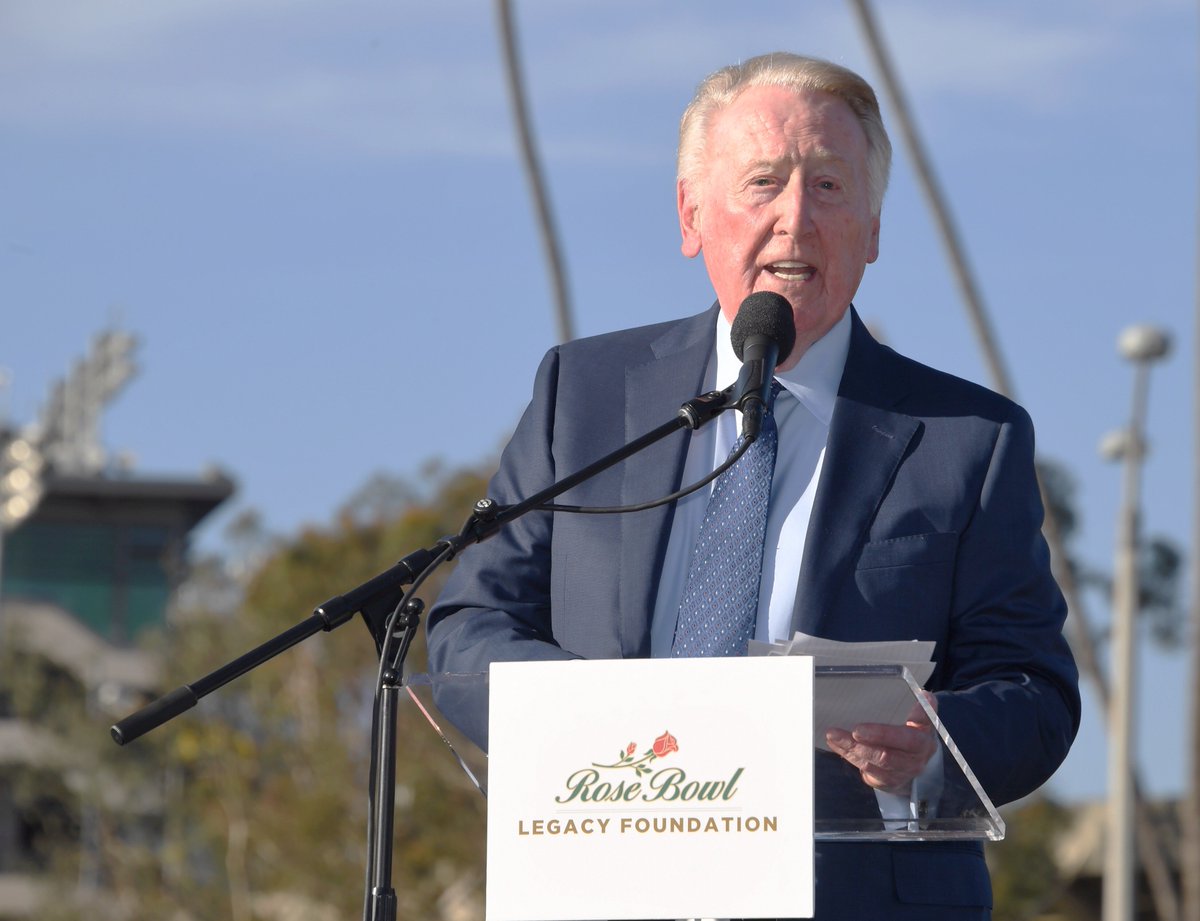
(687, 491)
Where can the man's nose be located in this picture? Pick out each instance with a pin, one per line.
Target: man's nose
(794, 215)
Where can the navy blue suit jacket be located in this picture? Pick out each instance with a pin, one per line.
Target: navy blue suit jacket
(926, 525)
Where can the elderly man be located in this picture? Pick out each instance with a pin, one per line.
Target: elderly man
(903, 503)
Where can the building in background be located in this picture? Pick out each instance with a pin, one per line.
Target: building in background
(91, 554)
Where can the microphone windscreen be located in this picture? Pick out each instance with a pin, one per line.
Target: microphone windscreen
(764, 313)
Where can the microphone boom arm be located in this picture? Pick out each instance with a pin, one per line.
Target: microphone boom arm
(370, 597)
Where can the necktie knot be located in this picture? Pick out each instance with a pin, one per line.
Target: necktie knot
(775, 388)
(772, 395)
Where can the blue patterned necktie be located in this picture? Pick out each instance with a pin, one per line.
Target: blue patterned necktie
(719, 608)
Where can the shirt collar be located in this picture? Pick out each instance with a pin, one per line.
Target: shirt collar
(815, 379)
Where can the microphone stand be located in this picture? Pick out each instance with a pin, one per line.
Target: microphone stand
(379, 903)
(385, 593)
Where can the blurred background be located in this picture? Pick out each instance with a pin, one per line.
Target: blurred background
(274, 288)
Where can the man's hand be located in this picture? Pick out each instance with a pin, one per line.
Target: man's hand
(889, 757)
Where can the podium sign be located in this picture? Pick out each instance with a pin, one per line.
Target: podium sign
(645, 789)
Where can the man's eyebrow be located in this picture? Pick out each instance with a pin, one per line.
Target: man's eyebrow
(755, 166)
(825, 155)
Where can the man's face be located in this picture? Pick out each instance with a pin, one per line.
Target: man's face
(782, 205)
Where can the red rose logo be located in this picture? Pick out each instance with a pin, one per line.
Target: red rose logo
(626, 758)
(664, 745)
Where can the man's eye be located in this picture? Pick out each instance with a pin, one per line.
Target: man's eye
(827, 185)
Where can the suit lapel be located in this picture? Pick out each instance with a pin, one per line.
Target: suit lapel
(867, 442)
(654, 391)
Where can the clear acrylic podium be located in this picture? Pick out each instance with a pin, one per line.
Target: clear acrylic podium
(945, 803)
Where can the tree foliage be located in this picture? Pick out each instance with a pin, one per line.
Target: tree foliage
(1160, 566)
(255, 802)
(1026, 883)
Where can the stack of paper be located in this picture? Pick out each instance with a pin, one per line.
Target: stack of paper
(845, 701)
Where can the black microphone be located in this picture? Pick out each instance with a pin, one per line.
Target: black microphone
(763, 335)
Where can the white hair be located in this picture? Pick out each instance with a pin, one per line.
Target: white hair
(794, 72)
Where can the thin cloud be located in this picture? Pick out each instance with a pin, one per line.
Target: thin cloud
(1011, 54)
(262, 70)
(386, 79)
(74, 32)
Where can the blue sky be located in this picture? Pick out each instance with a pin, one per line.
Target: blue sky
(313, 216)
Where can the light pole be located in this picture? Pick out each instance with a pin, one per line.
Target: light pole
(1142, 345)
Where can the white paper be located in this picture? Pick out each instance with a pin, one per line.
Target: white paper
(843, 703)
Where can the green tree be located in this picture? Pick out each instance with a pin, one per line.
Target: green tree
(1026, 882)
(253, 805)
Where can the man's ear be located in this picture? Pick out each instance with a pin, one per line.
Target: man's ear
(689, 218)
